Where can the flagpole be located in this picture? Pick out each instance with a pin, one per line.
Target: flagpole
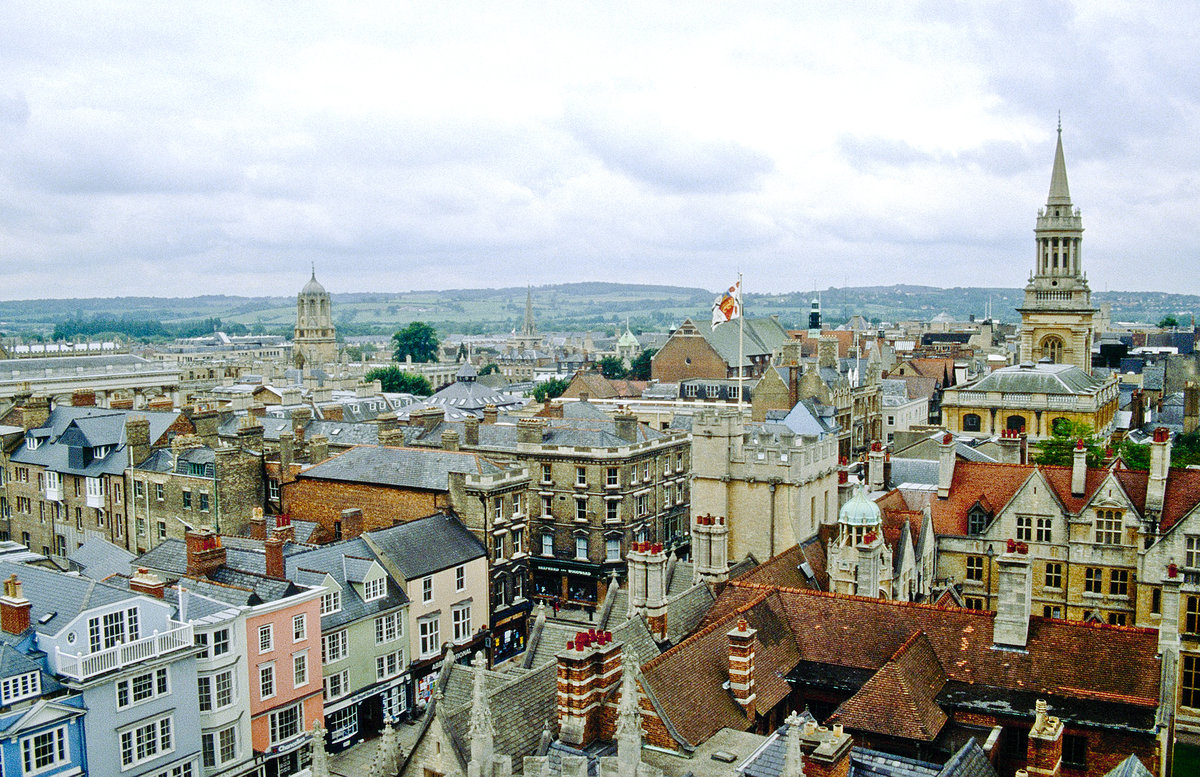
(741, 340)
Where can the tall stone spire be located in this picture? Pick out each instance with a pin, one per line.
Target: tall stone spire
(629, 717)
(1056, 317)
(481, 732)
(1060, 193)
(529, 328)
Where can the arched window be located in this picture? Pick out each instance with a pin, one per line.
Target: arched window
(971, 422)
(1015, 423)
(1052, 348)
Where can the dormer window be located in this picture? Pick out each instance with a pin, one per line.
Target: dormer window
(32, 442)
(977, 520)
(374, 589)
(100, 451)
(18, 687)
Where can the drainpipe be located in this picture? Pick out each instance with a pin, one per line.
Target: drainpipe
(772, 487)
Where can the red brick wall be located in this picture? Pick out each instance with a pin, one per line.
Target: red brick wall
(670, 365)
(322, 501)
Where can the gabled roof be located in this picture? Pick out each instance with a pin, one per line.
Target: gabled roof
(814, 636)
(426, 545)
(997, 484)
(344, 562)
(900, 700)
(98, 558)
(88, 427)
(762, 336)
(58, 598)
(422, 468)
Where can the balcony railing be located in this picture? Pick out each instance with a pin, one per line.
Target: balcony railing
(82, 667)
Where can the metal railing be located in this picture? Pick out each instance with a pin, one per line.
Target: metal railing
(82, 667)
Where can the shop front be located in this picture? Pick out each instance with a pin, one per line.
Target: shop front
(573, 584)
(510, 630)
(358, 717)
(424, 673)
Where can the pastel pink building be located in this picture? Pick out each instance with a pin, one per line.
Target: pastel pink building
(283, 640)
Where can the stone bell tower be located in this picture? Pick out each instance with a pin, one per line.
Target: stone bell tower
(1056, 317)
(315, 341)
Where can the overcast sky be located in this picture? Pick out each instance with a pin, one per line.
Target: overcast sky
(179, 149)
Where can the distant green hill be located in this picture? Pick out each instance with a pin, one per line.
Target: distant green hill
(571, 306)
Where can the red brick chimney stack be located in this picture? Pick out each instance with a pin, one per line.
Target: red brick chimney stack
(741, 666)
(14, 607)
(274, 552)
(588, 669)
(204, 552)
(148, 583)
(1043, 756)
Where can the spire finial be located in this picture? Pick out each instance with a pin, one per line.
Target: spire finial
(314, 270)
(1060, 121)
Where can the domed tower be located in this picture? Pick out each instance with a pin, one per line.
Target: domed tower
(860, 562)
(1056, 317)
(315, 341)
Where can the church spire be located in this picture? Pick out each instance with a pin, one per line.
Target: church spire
(1060, 193)
(529, 328)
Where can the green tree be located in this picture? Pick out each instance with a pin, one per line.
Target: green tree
(394, 379)
(639, 368)
(418, 340)
(1059, 447)
(550, 389)
(1135, 456)
(489, 368)
(1186, 450)
(1167, 322)
(612, 367)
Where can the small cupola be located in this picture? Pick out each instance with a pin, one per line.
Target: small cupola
(859, 519)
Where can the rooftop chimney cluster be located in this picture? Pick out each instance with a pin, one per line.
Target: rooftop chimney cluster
(588, 669)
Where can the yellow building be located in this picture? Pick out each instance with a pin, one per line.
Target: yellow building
(1033, 398)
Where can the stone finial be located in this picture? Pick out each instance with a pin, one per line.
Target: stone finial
(793, 762)
(320, 763)
(481, 731)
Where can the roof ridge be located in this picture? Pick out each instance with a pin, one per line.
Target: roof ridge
(912, 638)
(1098, 626)
(754, 602)
(855, 597)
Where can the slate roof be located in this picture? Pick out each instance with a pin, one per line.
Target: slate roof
(98, 558)
(467, 396)
(422, 468)
(242, 579)
(520, 706)
(90, 427)
(309, 567)
(762, 337)
(1130, 767)
(426, 545)
(1037, 379)
(815, 637)
(59, 598)
(165, 460)
(343, 433)
(13, 662)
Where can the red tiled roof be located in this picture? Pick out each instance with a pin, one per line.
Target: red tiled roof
(900, 700)
(861, 633)
(783, 569)
(996, 484)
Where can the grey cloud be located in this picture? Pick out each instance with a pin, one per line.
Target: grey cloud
(667, 159)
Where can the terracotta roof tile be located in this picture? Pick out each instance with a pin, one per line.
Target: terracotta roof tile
(900, 700)
(860, 633)
(995, 484)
